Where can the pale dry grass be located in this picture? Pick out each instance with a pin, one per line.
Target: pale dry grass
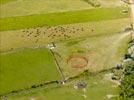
(28, 7)
(103, 52)
(111, 3)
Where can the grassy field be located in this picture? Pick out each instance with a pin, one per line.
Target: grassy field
(85, 41)
(98, 88)
(6, 1)
(28, 7)
(102, 52)
(78, 29)
(14, 23)
(111, 3)
(18, 38)
(26, 67)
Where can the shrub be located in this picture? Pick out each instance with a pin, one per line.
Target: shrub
(34, 86)
(127, 85)
(93, 3)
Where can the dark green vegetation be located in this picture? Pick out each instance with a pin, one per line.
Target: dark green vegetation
(13, 23)
(25, 68)
(127, 85)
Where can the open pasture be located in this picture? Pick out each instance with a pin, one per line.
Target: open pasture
(111, 3)
(6, 1)
(100, 46)
(88, 40)
(30, 7)
(40, 36)
(24, 68)
(99, 87)
(10, 8)
(102, 52)
(53, 19)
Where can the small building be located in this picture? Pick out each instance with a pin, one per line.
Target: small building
(51, 45)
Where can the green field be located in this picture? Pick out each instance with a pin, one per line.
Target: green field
(115, 42)
(98, 88)
(20, 39)
(6, 1)
(25, 68)
(14, 23)
(99, 34)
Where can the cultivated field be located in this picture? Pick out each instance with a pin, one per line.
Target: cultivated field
(88, 43)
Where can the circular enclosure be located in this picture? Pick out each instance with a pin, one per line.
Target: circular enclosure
(77, 61)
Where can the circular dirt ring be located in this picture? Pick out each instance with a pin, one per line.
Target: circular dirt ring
(77, 61)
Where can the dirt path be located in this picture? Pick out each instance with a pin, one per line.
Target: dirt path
(116, 44)
(122, 36)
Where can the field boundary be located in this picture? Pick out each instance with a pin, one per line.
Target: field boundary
(54, 82)
(58, 66)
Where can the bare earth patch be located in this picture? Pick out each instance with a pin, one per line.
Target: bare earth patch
(77, 61)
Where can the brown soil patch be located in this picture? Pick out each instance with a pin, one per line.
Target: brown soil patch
(77, 61)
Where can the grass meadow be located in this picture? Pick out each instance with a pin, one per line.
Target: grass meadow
(26, 67)
(103, 52)
(98, 88)
(6, 1)
(30, 7)
(53, 19)
(76, 28)
(20, 39)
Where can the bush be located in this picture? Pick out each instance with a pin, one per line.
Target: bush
(127, 85)
(93, 3)
(34, 86)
